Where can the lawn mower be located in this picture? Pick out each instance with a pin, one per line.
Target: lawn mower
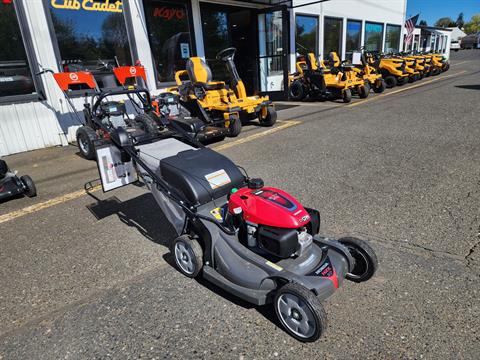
(11, 185)
(392, 69)
(410, 67)
(217, 102)
(369, 73)
(254, 241)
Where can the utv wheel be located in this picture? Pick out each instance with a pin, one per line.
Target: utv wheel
(390, 81)
(85, 141)
(270, 119)
(380, 88)
(146, 123)
(188, 255)
(297, 91)
(235, 127)
(347, 96)
(366, 262)
(300, 312)
(364, 91)
(30, 189)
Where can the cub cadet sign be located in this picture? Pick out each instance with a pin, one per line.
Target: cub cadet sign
(89, 5)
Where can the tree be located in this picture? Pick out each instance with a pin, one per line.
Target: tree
(445, 22)
(423, 23)
(460, 22)
(473, 26)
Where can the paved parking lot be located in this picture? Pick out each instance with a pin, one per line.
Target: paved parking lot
(91, 276)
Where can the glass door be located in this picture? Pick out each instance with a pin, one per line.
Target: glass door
(273, 52)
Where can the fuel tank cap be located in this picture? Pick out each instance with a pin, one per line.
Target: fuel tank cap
(255, 183)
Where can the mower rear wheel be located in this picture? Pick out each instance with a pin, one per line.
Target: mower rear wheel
(270, 119)
(146, 123)
(188, 255)
(235, 127)
(30, 189)
(380, 88)
(364, 90)
(347, 95)
(300, 312)
(390, 81)
(366, 262)
(86, 137)
(412, 78)
(297, 91)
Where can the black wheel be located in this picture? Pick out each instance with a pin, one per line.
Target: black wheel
(297, 91)
(188, 255)
(86, 137)
(347, 95)
(3, 169)
(427, 73)
(446, 67)
(364, 91)
(235, 127)
(366, 262)
(300, 312)
(421, 76)
(30, 189)
(390, 81)
(146, 123)
(270, 119)
(412, 78)
(380, 86)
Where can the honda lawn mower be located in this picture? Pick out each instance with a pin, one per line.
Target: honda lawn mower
(11, 185)
(254, 241)
(216, 102)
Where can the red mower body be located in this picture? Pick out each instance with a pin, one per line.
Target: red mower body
(269, 206)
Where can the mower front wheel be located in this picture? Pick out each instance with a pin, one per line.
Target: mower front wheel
(30, 189)
(235, 127)
(347, 95)
(364, 90)
(86, 137)
(188, 255)
(380, 87)
(300, 312)
(390, 81)
(270, 119)
(366, 262)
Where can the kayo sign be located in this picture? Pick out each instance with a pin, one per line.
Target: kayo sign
(89, 5)
(169, 12)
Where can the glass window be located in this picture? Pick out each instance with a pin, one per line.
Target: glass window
(373, 36)
(169, 35)
(91, 36)
(392, 38)
(15, 74)
(332, 36)
(354, 35)
(306, 34)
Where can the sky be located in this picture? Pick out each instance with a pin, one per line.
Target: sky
(432, 10)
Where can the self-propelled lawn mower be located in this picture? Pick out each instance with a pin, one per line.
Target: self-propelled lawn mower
(11, 185)
(254, 241)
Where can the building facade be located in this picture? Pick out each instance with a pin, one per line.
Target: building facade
(94, 35)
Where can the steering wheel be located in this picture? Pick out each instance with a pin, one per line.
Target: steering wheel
(226, 54)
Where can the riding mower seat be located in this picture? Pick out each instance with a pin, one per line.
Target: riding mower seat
(200, 74)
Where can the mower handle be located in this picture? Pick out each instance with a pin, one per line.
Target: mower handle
(102, 95)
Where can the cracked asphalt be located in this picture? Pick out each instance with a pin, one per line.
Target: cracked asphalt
(92, 277)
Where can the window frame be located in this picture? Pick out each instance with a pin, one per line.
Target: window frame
(340, 45)
(58, 56)
(399, 38)
(365, 33)
(39, 94)
(317, 38)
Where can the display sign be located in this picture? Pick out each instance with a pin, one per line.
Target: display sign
(168, 13)
(114, 6)
(185, 50)
(356, 58)
(113, 172)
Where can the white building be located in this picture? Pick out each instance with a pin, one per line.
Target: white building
(429, 38)
(70, 35)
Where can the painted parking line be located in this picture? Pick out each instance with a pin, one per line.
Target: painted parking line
(423, 83)
(461, 62)
(79, 193)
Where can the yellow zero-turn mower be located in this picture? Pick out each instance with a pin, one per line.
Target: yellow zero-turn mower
(392, 70)
(440, 62)
(215, 102)
(368, 71)
(410, 67)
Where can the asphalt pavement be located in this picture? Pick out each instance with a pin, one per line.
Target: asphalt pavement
(91, 276)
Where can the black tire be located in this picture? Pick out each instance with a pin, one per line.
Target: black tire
(446, 67)
(188, 255)
(271, 117)
(297, 91)
(402, 81)
(366, 262)
(235, 127)
(364, 91)
(412, 78)
(380, 87)
(86, 137)
(421, 76)
(30, 189)
(427, 73)
(347, 96)
(146, 123)
(390, 81)
(294, 303)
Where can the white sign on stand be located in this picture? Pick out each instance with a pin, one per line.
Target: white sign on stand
(185, 50)
(356, 58)
(113, 172)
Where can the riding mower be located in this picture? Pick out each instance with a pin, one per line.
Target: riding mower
(11, 185)
(369, 73)
(217, 102)
(256, 242)
(410, 68)
(392, 70)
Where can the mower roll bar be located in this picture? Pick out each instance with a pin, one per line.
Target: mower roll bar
(139, 91)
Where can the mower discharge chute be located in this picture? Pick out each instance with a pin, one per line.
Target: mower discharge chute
(215, 102)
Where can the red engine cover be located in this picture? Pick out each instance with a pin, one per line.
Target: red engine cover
(269, 206)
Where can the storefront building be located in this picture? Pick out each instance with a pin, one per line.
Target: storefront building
(429, 38)
(94, 35)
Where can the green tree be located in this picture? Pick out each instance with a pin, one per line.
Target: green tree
(473, 26)
(460, 22)
(423, 23)
(445, 22)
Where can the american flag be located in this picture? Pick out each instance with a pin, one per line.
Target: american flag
(410, 26)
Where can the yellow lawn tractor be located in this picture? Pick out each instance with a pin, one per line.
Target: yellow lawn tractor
(411, 68)
(391, 68)
(215, 102)
(369, 73)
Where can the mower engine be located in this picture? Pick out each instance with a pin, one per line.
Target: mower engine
(114, 112)
(270, 220)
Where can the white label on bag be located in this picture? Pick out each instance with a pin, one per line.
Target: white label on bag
(218, 179)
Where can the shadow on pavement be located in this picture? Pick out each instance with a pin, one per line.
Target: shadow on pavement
(469, 87)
